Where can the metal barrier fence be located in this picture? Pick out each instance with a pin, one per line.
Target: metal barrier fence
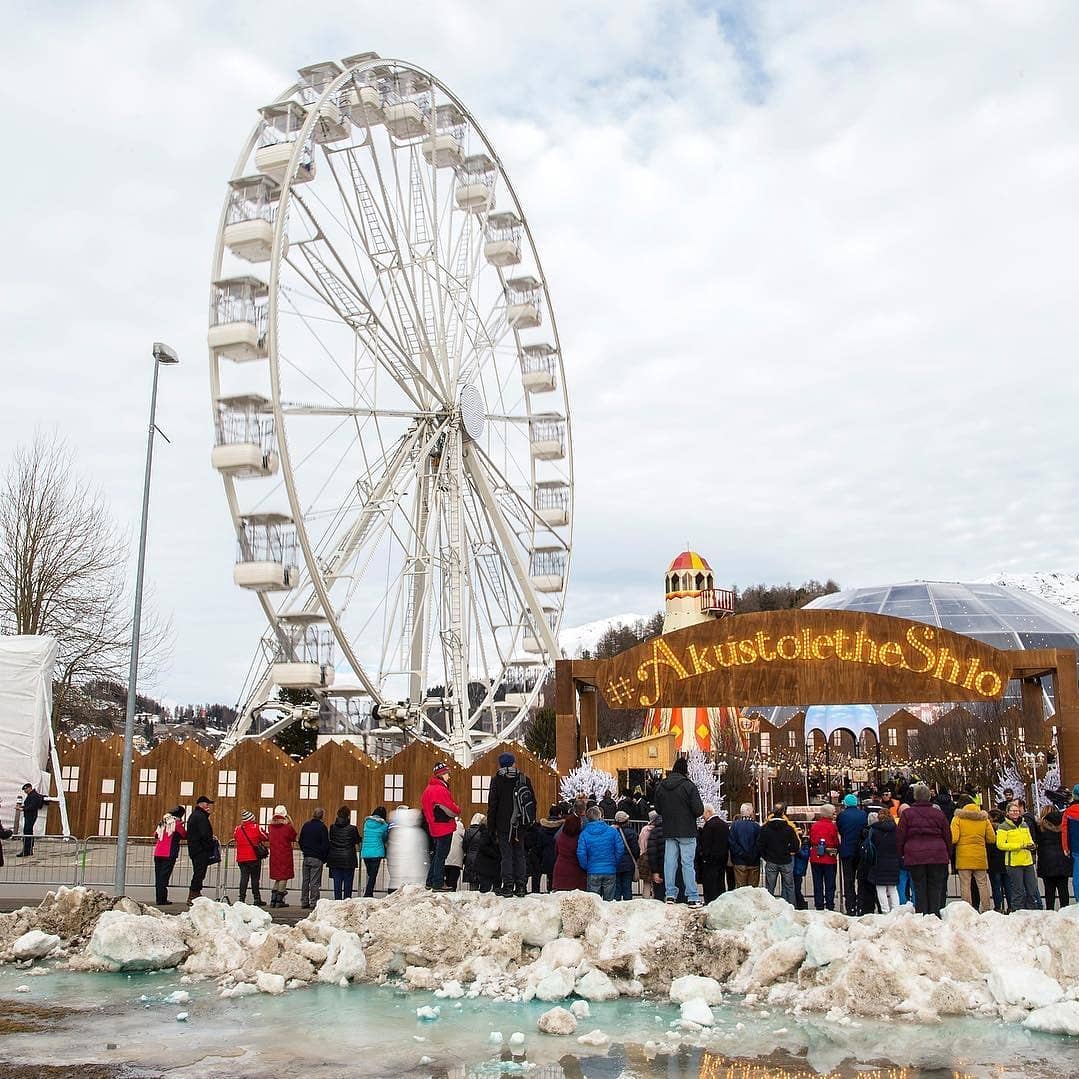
(63, 860)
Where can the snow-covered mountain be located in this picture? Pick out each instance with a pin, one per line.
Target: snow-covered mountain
(1059, 588)
(581, 638)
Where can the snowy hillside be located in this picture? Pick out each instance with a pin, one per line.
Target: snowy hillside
(577, 640)
(1061, 589)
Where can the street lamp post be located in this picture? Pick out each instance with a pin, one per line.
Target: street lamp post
(162, 355)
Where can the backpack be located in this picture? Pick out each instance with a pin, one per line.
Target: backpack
(524, 802)
(868, 849)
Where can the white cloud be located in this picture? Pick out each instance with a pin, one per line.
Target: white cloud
(814, 272)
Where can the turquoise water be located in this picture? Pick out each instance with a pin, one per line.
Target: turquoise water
(121, 1021)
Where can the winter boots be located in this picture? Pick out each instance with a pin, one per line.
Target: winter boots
(520, 891)
(277, 899)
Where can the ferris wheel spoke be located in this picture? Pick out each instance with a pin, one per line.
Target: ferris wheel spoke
(506, 540)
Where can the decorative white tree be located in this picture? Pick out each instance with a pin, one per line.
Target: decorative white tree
(1010, 779)
(703, 773)
(586, 780)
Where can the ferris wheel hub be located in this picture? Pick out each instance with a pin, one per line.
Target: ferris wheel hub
(471, 411)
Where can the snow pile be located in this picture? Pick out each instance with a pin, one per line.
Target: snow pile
(1024, 969)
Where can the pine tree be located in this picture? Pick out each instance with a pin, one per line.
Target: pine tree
(586, 780)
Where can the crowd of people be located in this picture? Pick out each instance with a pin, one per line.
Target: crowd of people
(864, 852)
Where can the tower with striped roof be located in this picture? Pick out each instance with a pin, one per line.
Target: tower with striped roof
(692, 598)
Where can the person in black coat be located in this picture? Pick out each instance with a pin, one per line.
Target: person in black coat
(777, 843)
(200, 845)
(883, 870)
(608, 805)
(541, 839)
(713, 849)
(1054, 866)
(33, 802)
(627, 863)
(627, 806)
(502, 821)
(341, 857)
(483, 861)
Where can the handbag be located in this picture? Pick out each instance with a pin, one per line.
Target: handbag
(625, 843)
(261, 851)
(215, 852)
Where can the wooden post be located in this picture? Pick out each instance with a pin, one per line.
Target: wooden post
(1066, 698)
(588, 698)
(565, 729)
(1033, 703)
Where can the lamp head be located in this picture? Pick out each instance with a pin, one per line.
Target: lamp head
(164, 354)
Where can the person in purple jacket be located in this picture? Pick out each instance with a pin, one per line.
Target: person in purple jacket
(924, 842)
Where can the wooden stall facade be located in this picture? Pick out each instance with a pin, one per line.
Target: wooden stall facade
(258, 776)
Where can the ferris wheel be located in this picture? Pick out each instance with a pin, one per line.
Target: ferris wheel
(391, 419)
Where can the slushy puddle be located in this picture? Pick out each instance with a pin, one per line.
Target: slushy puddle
(125, 1025)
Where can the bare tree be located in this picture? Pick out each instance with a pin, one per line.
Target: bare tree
(63, 566)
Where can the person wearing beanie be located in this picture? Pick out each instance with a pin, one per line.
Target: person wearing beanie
(627, 861)
(511, 813)
(823, 855)
(1069, 837)
(679, 804)
(282, 838)
(251, 847)
(851, 823)
(441, 813)
(167, 838)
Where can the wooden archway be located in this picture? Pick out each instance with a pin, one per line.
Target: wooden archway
(804, 657)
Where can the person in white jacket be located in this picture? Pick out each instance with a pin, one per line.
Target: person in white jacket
(455, 860)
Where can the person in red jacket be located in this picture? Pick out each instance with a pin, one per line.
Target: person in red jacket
(249, 836)
(282, 868)
(823, 855)
(441, 813)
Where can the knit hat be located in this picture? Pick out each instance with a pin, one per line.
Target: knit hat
(280, 811)
(1075, 791)
(621, 817)
(440, 769)
(850, 800)
(506, 759)
(177, 812)
(247, 815)
(681, 766)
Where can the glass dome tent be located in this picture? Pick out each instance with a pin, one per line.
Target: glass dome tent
(1005, 618)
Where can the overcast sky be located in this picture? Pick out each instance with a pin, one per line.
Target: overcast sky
(814, 266)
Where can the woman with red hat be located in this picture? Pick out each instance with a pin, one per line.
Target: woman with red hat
(441, 813)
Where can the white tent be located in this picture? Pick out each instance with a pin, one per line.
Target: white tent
(26, 741)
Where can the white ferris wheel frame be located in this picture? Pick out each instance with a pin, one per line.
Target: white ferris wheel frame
(461, 737)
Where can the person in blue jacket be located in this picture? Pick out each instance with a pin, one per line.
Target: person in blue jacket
(599, 849)
(851, 822)
(373, 847)
(800, 866)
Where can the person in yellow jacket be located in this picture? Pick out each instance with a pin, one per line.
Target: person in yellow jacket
(1015, 840)
(971, 831)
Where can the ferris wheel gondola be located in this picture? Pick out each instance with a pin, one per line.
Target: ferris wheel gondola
(390, 407)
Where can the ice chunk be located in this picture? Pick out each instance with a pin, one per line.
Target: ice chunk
(594, 1037)
(345, 960)
(450, 990)
(240, 989)
(517, 1039)
(824, 945)
(595, 985)
(1025, 986)
(1059, 1018)
(181, 1017)
(562, 952)
(690, 986)
(274, 984)
(556, 986)
(580, 1009)
(697, 1011)
(558, 1021)
(180, 996)
(136, 942)
(428, 1013)
(495, 1037)
(34, 945)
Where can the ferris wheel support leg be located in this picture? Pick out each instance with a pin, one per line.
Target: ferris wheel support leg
(543, 628)
(242, 723)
